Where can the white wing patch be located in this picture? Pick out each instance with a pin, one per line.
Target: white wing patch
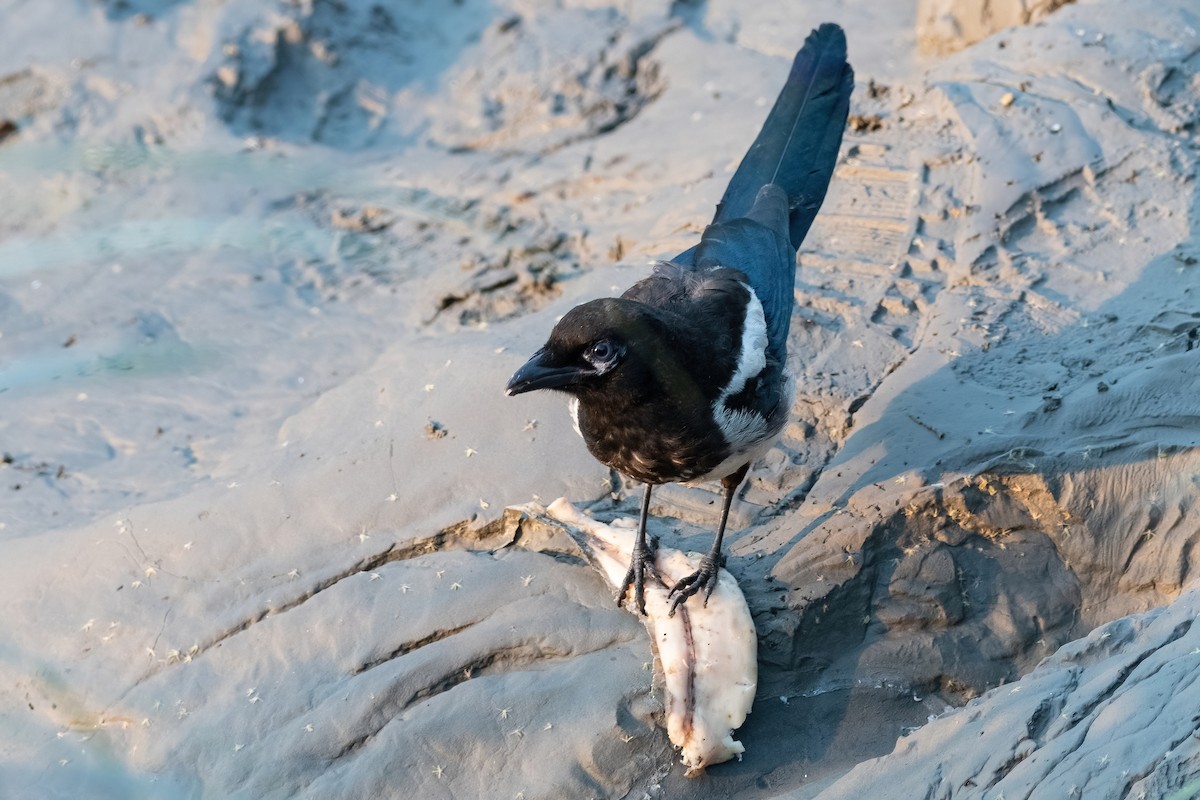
(757, 437)
(573, 407)
(744, 429)
(753, 356)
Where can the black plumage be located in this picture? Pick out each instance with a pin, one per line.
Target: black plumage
(684, 377)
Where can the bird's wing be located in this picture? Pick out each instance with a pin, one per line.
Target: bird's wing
(757, 245)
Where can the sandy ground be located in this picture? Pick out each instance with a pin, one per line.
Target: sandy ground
(265, 268)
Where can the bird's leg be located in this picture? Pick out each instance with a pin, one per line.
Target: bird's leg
(641, 560)
(710, 566)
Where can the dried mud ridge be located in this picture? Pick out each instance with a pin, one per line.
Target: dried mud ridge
(495, 261)
(498, 636)
(461, 536)
(328, 72)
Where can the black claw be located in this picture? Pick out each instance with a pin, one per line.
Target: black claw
(641, 561)
(705, 578)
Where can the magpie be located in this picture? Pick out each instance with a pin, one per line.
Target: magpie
(684, 377)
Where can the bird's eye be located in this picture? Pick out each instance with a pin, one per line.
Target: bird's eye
(601, 352)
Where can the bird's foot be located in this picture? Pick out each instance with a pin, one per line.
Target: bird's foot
(640, 563)
(704, 578)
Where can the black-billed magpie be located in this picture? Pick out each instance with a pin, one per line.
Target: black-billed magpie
(684, 377)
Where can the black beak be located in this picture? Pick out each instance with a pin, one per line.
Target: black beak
(537, 374)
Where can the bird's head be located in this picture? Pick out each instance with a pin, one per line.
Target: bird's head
(593, 348)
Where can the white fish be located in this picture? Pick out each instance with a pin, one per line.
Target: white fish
(708, 654)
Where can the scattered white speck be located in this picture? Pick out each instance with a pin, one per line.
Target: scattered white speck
(62, 762)
(87, 626)
(363, 536)
(1055, 128)
(136, 585)
(308, 728)
(429, 387)
(378, 423)
(484, 504)
(499, 350)
(697, 116)
(187, 545)
(375, 576)
(391, 498)
(783, 698)
(548, 726)
(857, 343)
(81, 396)
(233, 484)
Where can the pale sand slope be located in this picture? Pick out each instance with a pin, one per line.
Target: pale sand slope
(251, 573)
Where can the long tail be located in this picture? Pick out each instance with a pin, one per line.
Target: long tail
(798, 145)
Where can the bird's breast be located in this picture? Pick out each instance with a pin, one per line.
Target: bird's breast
(651, 445)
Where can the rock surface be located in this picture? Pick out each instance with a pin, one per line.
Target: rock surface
(945, 26)
(265, 268)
